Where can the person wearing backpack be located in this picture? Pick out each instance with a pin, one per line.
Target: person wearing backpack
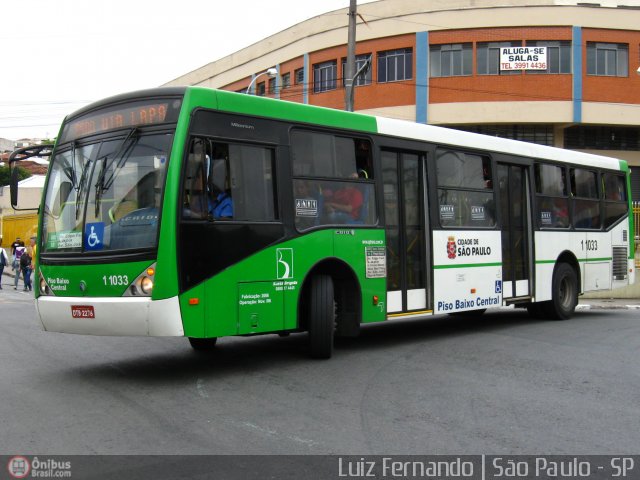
(4, 261)
(19, 251)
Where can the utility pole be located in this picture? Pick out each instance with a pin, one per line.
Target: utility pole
(349, 73)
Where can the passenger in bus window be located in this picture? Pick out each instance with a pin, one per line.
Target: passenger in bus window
(343, 205)
(222, 206)
(486, 173)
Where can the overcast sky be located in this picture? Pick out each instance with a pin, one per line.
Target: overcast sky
(57, 56)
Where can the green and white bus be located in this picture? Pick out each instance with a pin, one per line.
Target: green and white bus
(202, 213)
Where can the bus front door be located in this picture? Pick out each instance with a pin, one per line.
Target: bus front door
(517, 252)
(406, 223)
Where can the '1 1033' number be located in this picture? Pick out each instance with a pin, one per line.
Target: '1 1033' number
(115, 280)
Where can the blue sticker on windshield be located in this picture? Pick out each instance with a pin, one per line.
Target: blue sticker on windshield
(94, 236)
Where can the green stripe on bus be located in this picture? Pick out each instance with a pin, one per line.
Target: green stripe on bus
(290, 111)
(581, 260)
(467, 265)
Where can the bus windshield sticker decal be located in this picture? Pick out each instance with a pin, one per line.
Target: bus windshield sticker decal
(376, 260)
(94, 236)
(477, 213)
(545, 218)
(64, 240)
(447, 212)
(284, 263)
(306, 207)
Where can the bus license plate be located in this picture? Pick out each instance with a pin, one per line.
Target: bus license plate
(82, 311)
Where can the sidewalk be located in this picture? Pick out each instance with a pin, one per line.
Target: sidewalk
(8, 279)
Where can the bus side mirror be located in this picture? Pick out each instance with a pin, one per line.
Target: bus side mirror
(13, 185)
(44, 150)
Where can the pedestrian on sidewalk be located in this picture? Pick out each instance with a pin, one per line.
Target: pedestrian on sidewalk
(4, 261)
(26, 263)
(25, 266)
(17, 243)
(19, 251)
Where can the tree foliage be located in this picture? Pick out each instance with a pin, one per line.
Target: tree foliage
(5, 177)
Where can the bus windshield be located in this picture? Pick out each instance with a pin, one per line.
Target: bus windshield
(105, 196)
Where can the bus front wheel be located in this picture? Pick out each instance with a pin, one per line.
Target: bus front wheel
(321, 317)
(564, 294)
(202, 344)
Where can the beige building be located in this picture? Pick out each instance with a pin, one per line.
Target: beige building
(438, 62)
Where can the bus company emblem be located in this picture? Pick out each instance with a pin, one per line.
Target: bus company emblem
(451, 247)
(284, 263)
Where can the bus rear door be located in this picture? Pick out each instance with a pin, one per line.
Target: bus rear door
(405, 205)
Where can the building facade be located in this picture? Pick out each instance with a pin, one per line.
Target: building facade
(554, 72)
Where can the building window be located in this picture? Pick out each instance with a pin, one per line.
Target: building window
(538, 134)
(451, 60)
(608, 59)
(365, 77)
(488, 57)
(272, 86)
(395, 65)
(286, 80)
(260, 89)
(299, 76)
(602, 138)
(558, 56)
(324, 76)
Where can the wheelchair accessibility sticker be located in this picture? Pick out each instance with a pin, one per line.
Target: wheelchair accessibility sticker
(94, 236)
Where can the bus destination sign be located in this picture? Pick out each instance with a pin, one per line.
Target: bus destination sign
(136, 114)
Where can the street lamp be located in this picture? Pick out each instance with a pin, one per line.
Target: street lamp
(270, 72)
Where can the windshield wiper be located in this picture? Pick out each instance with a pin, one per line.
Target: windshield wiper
(80, 187)
(70, 169)
(99, 184)
(102, 185)
(106, 184)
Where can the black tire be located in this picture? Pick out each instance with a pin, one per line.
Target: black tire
(564, 293)
(202, 344)
(321, 317)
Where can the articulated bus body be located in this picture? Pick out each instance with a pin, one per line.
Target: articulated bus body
(201, 213)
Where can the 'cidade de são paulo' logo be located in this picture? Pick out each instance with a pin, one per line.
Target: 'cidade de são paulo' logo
(451, 247)
(19, 467)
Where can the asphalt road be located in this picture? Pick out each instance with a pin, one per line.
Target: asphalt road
(503, 383)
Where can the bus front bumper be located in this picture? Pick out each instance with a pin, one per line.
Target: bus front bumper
(126, 316)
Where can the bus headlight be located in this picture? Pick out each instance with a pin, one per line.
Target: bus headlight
(146, 285)
(143, 284)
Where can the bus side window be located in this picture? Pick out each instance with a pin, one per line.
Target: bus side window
(552, 197)
(195, 201)
(465, 189)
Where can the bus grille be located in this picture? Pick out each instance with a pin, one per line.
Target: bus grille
(619, 263)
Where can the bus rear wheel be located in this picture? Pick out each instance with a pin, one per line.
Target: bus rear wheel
(321, 317)
(202, 344)
(564, 293)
